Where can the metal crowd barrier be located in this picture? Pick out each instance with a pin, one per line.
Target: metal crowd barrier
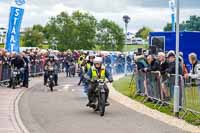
(160, 90)
(153, 85)
(192, 96)
(35, 69)
(140, 83)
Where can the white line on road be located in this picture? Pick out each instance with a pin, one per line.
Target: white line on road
(66, 88)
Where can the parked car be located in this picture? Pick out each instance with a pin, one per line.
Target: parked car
(138, 41)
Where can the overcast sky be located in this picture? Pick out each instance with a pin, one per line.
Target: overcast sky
(152, 13)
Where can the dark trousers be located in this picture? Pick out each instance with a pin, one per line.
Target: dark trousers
(26, 77)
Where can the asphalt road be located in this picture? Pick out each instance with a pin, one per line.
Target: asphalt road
(64, 111)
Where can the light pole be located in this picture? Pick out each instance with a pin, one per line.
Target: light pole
(126, 19)
(176, 87)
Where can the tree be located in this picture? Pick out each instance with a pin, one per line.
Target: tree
(168, 27)
(72, 32)
(192, 24)
(38, 28)
(109, 34)
(77, 31)
(143, 32)
(32, 38)
(85, 30)
(62, 29)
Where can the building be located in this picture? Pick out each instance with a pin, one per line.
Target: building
(3, 32)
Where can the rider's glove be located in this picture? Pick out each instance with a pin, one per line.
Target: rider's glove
(110, 81)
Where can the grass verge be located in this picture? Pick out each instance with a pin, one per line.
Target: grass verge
(135, 47)
(122, 85)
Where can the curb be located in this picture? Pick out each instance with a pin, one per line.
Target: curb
(18, 121)
(140, 108)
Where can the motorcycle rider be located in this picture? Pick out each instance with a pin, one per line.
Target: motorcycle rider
(97, 72)
(50, 62)
(17, 61)
(90, 58)
(89, 64)
(26, 70)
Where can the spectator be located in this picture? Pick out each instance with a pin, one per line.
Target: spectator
(140, 78)
(195, 71)
(164, 77)
(153, 64)
(172, 63)
(172, 71)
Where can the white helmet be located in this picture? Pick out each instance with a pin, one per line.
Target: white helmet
(98, 60)
(87, 58)
(92, 54)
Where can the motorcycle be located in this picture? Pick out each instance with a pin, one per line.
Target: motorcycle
(51, 77)
(15, 78)
(99, 97)
(72, 69)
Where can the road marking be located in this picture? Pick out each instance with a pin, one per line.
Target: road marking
(65, 88)
(8, 129)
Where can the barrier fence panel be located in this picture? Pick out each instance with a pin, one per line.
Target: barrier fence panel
(6, 72)
(153, 85)
(1, 67)
(140, 82)
(160, 88)
(32, 69)
(192, 96)
(170, 83)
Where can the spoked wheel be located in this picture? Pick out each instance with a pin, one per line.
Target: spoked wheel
(13, 84)
(102, 101)
(51, 86)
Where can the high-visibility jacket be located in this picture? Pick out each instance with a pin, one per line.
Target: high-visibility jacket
(88, 66)
(81, 61)
(101, 75)
(83, 69)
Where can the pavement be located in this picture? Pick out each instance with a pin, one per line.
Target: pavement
(64, 111)
(10, 122)
(7, 119)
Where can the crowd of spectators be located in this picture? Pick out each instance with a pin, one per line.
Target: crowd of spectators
(163, 67)
(35, 61)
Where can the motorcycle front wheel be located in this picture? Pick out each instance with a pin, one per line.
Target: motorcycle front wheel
(51, 86)
(102, 102)
(13, 83)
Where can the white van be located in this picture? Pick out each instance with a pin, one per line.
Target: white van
(138, 41)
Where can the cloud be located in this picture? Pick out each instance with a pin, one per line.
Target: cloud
(152, 13)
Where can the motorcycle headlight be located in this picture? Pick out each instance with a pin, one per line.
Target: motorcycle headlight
(15, 73)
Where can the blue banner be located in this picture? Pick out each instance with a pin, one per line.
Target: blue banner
(13, 34)
(173, 23)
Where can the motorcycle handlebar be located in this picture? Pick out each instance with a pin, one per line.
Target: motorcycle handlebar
(98, 81)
